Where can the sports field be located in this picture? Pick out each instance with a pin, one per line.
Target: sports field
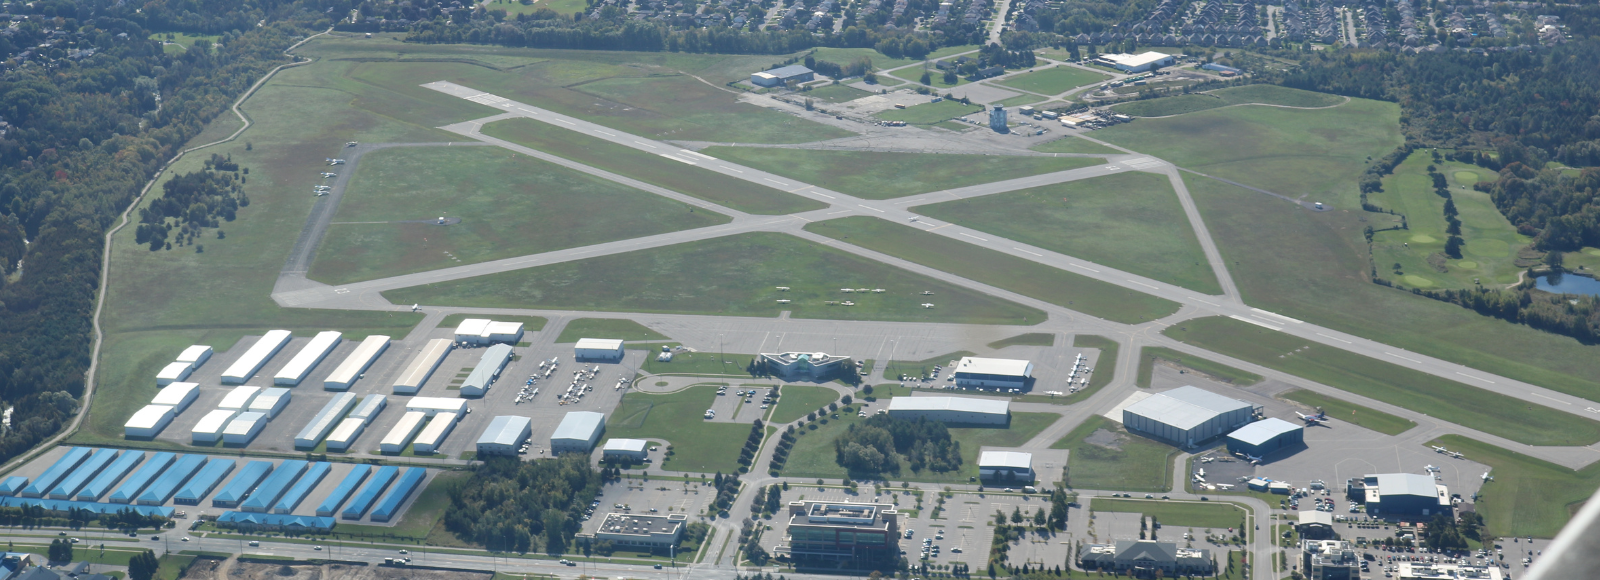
(614, 328)
(1148, 356)
(1492, 243)
(1059, 287)
(1260, 94)
(1054, 81)
(929, 113)
(813, 454)
(1130, 221)
(687, 179)
(1528, 497)
(1186, 514)
(887, 175)
(732, 276)
(1442, 398)
(509, 205)
(794, 401)
(1342, 411)
(679, 418)
(1071, 144)
(1106, 456)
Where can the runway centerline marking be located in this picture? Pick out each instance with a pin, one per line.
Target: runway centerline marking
(776, 181)
(1401, 357)
(1084, 267)
(823, 195)
(645, 144)
(604, 133)
(1143, 284)
(871, 208)
(1334, 338)
(972, 236)
(1479, 378)
(732, 169)
(567, 122)
(1027, 252)
(1551, 398)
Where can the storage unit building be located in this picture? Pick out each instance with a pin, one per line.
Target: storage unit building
(178, 396)
(239, 398)
(598, 349)
(195, 355)
(1186, 416)
(578, 432)
(431, 406)
(244, 428)
(362, 357)
(206, 480)
(80, 476)
(952, 410)
(402, 489)
(267, 494)
(369, 407)
(313, 476)
(271, 401)
(345, 434)
(993, 373)
(330, 505)
(148, 422)
(210, 427)
(108, 477)
(257, 355)
(57, 472)
(11, 485)
(308, 358)
(174, 477)
(434, 433)
(242, 485)
(629, 449)
(494, 359)
(324, 420)
(172, 373)
(485, 331)
(1265, 436)
(363, 500)
(422, 366)
(504, 435)
(136, 483)
(400, 436)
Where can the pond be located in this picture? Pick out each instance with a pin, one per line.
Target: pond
(1568, 284)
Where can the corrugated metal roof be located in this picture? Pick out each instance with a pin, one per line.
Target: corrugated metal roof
(397, 495)
(994, 366)
(598, 344)
(239, 398)
(330, 505)
(203, 482)
(504, 430)
(1406, 484)
(1013, 459)
(1263, 431)
(494, 358)
(634, 445)
(135, 484)
(241, 485)
(1185, 407)
(148, 417)
(964, 404)
(268, 492)
(784, 72)
(292, 498)
(176, 394)
(364, 499)
(579, 426)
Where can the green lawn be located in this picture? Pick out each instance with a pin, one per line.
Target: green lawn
(1105, 367)
(1070, 144)
(1441, 398)
(1190, 103)
(1342, 411)
(921, 368)
(654, 169)
(1150, 354)
(1528, 497)
(797, 400)
(1128, 463)
(510, 205)
(1019, 100)
(606, 328)
(1054, 81)
(1491, 241)
(698, 445)
(930, 113)
(836, 93)
(813, 455)
(886, 175)
(1028, 278)
(935, 77)
(1187, 514)
(701, 363)
(1131, 221)
(1029, 339)
(681, 107)
(733, 276)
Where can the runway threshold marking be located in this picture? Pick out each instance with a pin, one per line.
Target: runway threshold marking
(1027, 252)
(1333, 338)
(679, 160)
(1255, 322)
(1477, 378)
(1276, 315)
(972, 236)
(1401, 357)
(698, 154)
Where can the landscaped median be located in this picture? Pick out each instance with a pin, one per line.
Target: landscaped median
(1444, 399)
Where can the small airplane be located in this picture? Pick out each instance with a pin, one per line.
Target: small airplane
(1319, 418)
(332, 161)
(1487, 477)
(927, 305)
(1199, 478)
(320, 192)
(1431, 469)
(1202, 472)
(326, 174)
(1254, 460)
(1207, 459)
(783, 288)
(1440, 449)
(416, 307)
(1455, 454)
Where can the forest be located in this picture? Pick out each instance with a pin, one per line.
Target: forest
(509, 505)
(879, 444)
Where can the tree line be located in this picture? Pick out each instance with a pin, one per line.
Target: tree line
(508, 505)
(879, 444)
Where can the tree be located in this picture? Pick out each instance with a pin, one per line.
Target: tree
(926, 78)
(1452, 247)
(143, 566)
(1016, 515)
(1039, 517)
(950, 77)
(60, 550)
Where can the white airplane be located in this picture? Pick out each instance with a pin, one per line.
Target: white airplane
(783, 288)
(1439, 449)
(1486, 476)
(1199, 479)
(1254, 460)
(1319, 418)
(328, 174)
(1224, 486)
(1207, 459)
(1202, 472)
(416, 307)
(927, 305)
(1432, 469)
(1455, 454)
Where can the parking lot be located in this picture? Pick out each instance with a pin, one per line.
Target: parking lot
(656, 497)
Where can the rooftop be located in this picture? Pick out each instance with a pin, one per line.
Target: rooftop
(636, 445)
(598, 344)
(641, 525)
(579, 425)
(505, 430)
(1185, 407)
(1014, 459)
(994, 366)
(1406, 484)
(1263, 431)
(784, 72)
(1140, 59)
(967, 404)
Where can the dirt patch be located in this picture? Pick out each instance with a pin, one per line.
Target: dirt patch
(1106, 438)
(204, 569)
(264, 571)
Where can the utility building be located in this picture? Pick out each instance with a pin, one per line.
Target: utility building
(952, 410)
(628, 449)
(308, 358)
(400, 436)
(1186, 416)
(257, 355)
(782, 76)
(578, 432)
(325, 420)
(1265, 436)
(195, 355)
(505, 435)
(148, 422)
(354, 365)
(993, 373)
(1135, 63)
(270, 402)
(173, 372)
(177, 395)
(598, 349)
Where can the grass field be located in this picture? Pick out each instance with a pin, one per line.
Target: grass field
(1131, 221)
(1263, 94)
(1059, 287)
(1528, 497)
(1347, 412)
(921, 368)
(929, 113)
(606, 328)
(1186, 514)
(686, 179)
(698, 445)
(836, 93)
(1020, 100)
(1116, 459)
(179, 42)
(1029, 339)
(1491, 241)
(935, 77)
(515, 7)
(701, 363)
(1150, 354)
(732, 276)
(813, 455)
(680, 107)
(510, 205)
(797, 400)
(1105, 367)
(886, 175)
(1070, 144)
(1054, 81)
(1441, 398)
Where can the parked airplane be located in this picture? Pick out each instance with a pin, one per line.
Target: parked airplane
(1254, 460)
(1432, 469)
(1320, 417)
(1487, 477)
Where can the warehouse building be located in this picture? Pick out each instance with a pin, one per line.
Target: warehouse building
(578, 432)
(56, 472)
(422, 366)
(172, 373)
(81, 475)
(504, 435)
(148, 422)
(952, 410)
(485, 331)
(626, 449)
(308, 358)
(369, 407)
(1399, 494)
(402, 489)
(782, 76)
(434, 434)
(1147, 559)
(993, 373)
(108, 477)
(860, 533)
(129, 491)
(292, 498)
(1136, 63)
(288, 524)
(431, 406)
(177, 395)
(170, 480)
(639, 532)
(345, 434)
(195, 355)
(400, 436)
(354, 365)
(1265, 436)
(270, 402)
(239, 398)
(598, 349)
(805, 366)
(216, 468)
(267, 493)
(1186, 416)
(325, 420)
(494, 360)
(1315, 525)
(244, 428)
(209, 429)
(363, 500)
(1005, 466)
(1329, 559)
(257, 355)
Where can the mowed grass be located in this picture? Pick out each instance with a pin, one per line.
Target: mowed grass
(1031, 279)
(1070, 144)
(813, 454)
(1150, 354)
(1317, 154)
(1105, 367)
(935, 77)
(795, 401)
(887, 175)
(614, 328)
(930, 113)
(1441, 398)
(1312, 266)
(1342, 411)
(180, 42)
(732, 276)
(1491, 241)
(836, 93)
(1054, 81)
(1131, 221)
(509, 205)
(1248, 94)
(1188, 514)
(1029, 339)
(698, 445)
(1529, 496)
(681, 107)
(687, 179)
(1124, 462)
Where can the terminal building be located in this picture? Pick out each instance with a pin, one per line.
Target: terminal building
(1186, 416)
(1329, 560)
(578, 432)
(861, 533)
(952, 410)
(636, 531)
(1005, 466)
(1146, 559)
(1262, 437)
(598, 349)
(1399, 494)
(1136, 63)
(993, 373)
(782, 76)
(805, 366)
